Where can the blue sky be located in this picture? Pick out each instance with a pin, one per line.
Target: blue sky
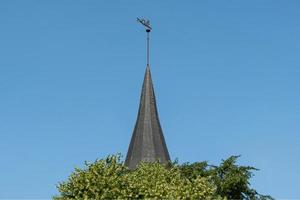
(226, 76)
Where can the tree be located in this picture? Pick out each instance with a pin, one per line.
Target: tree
(231, 180)
(110, 179)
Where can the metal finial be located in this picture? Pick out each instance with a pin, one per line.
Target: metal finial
(146, 24)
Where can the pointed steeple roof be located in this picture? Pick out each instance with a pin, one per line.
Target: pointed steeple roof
(147, 143)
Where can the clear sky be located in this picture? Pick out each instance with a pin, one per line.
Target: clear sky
(226, 76)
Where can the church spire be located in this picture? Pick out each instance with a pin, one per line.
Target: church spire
(147, 142)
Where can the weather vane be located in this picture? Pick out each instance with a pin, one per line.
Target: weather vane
(146, 24)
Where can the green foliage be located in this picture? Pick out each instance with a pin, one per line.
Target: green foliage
(110, 179)
(231, 180)
(102, 179)
(156, 181)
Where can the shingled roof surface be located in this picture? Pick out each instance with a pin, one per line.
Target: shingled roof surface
(147, 142)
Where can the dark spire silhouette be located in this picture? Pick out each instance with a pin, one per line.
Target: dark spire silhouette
(147, 143)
